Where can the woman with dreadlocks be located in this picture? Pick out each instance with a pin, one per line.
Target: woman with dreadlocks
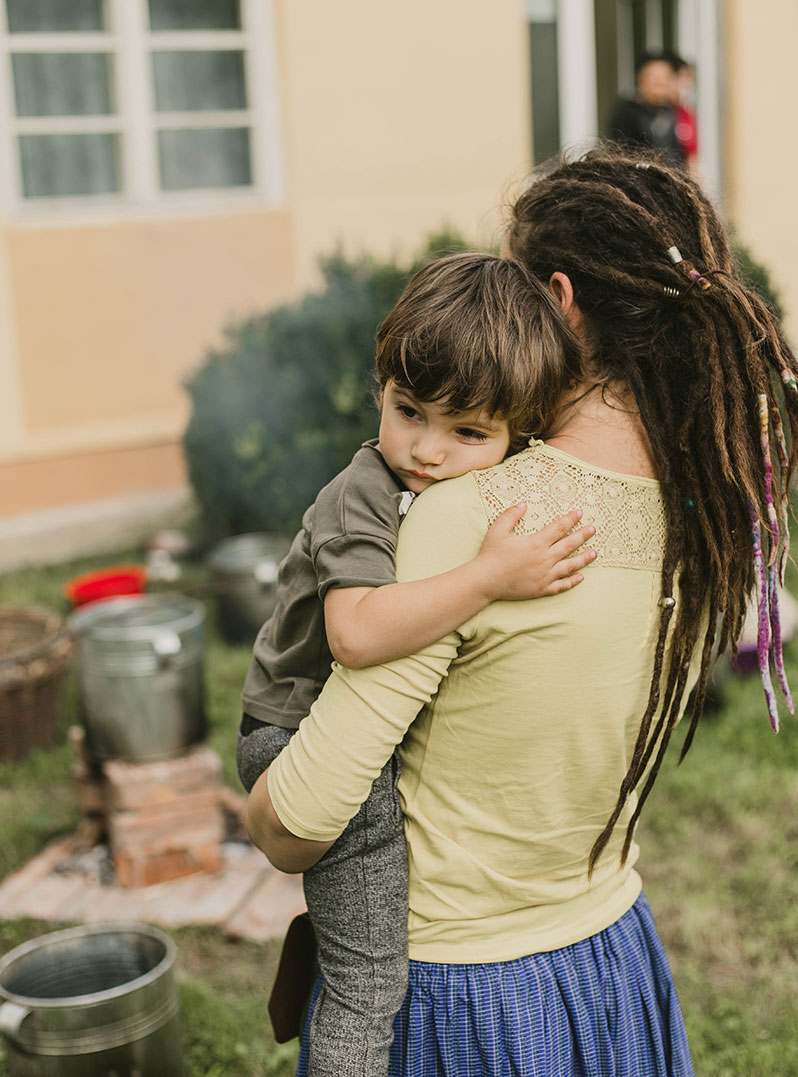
(531, 737)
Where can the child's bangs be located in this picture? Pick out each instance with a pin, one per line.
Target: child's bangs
(462, 382)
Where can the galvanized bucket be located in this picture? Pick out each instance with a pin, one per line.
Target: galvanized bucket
(140, 668)
(244, 571)
(92, 1002)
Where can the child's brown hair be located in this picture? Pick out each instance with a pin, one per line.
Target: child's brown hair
(478, 331)
(667, 315)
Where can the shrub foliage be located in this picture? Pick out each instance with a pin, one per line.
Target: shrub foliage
(281, 407)
(756, 276)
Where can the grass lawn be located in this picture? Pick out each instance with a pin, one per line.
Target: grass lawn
(720, 851)
(224, 983)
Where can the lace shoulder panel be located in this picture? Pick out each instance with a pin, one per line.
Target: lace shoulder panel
(628, 515)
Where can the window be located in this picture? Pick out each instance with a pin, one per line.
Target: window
(139, 102)
(542, 18)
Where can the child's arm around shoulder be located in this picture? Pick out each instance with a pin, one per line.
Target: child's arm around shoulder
(371, 625)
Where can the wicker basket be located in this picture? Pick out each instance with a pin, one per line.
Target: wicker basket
(34, 656)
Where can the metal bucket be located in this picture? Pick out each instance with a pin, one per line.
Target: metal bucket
(140, 667)
(95, 1001)
(244, 570)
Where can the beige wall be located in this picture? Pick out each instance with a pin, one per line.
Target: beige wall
(400, 118)
(110, 319)
(397, 120)
(762, 150)
(29, 486)
(11, 431)
(107, 321)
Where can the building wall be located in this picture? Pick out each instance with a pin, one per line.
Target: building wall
(397, 120)
(400, 118)
(51, 482)
(11, 422)
(762, 153)
(105, 323)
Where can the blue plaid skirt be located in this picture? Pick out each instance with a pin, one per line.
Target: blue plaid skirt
(604, 1007)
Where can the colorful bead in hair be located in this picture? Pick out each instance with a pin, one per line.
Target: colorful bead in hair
(675, 256)
(781, 446)
(763, 620)
(789, 380)
(776, 646)
(696, 277)
(769, 642)
(764, 437)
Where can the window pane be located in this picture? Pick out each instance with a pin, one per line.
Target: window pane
(545, 90)
(197, 81)
(195, 15)
(54, 16)
(62, 83)
(207, 157)
(57, 166)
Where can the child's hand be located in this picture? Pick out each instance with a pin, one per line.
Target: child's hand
(530, 566)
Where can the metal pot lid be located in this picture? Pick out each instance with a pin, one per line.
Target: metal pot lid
(243, 552)
(50, 945)
(136, 616)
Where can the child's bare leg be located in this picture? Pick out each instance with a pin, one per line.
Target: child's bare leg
(357, 900)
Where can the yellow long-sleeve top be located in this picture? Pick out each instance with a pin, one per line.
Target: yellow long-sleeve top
(515, 731)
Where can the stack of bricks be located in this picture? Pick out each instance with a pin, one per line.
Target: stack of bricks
(162, 820)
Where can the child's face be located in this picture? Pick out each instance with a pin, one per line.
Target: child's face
(422, 444)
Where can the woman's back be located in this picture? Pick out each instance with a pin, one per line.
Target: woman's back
(504, 803)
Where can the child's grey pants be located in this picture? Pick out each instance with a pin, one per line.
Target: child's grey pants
(357, 901)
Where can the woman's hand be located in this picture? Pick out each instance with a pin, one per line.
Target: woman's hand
(531, 566)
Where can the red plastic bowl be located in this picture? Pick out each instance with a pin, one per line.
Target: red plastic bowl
(106, 583)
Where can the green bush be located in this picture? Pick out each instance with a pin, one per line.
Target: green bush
(283, 405)
(756, 276)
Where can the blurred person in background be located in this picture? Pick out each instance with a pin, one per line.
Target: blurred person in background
(684, 109)
(649, 118)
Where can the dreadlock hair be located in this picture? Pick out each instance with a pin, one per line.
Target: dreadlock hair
(477, 331)
(666, 314)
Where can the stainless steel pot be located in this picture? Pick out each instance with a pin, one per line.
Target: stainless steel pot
(140, 667)
(92, 1001)
(244, 571)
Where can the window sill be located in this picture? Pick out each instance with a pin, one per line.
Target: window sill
(64, 212)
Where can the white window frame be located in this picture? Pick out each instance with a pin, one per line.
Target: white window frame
(130, 41)
(576, 57)
(701, 29)
(576, 69)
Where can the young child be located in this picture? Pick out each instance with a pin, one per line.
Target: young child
(470, 362)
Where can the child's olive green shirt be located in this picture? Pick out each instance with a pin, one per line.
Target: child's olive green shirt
(348, 539)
